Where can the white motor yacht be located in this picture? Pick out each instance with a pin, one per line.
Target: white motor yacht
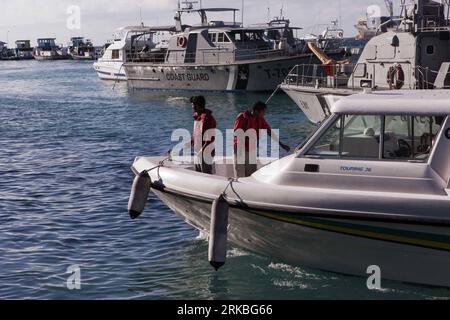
(370, 187)
(129, 43)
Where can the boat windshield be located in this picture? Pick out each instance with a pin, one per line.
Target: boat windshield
(401, 138)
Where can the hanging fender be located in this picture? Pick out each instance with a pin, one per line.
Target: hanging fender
(218, 236)
(395, 77)
(139, 194)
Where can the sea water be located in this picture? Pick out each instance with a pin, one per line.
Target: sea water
(67, 141)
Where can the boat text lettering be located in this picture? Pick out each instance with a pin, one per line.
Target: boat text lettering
(187, 77)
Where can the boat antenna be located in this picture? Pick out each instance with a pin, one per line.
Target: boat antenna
(242, 12)
(390, 7)
(140, 15)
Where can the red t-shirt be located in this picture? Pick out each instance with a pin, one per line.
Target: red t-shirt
(202, 123)
(246, 121)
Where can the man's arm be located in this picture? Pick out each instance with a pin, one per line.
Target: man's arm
(274, 137)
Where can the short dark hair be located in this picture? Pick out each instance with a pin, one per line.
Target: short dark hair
(259, 106)
(199, 100)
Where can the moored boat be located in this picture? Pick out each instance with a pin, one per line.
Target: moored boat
(132, 42)
(23, 51)
(220, 56)
(411, 52)
(47, 49)
(370, 187)
(81, 49)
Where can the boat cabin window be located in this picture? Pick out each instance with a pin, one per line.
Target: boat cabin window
(410, 137)
(361, 137)
(115, 54)
(245, 36)
(401, 138)
(219, 37)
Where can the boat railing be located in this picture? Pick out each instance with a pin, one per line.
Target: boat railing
(211, 56)
(318, 76)
(348, 76)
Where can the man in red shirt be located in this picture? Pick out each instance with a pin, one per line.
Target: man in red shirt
(247, 130)
(203, 135)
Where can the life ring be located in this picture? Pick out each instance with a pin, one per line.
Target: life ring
(341, 34)
(395, 77)
(182, 41)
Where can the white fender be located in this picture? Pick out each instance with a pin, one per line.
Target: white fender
(139, 194)
(218, 237)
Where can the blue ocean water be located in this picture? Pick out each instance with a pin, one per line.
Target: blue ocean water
(67, 141)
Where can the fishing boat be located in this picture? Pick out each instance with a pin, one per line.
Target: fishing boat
(371, 187)
(47, 49)
(81, 49)
(3, 50)
(132, 42)
(24, 51)
(218, 56)
(411, 52)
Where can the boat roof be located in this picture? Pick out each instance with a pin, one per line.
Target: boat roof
(146, 28)
(46, 39)
(209, 10)
(396, 102)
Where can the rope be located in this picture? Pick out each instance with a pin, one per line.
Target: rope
(161, 164)
(117, 77)
(273, 94)
(230, 183)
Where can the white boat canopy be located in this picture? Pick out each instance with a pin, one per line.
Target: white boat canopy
(408, 102)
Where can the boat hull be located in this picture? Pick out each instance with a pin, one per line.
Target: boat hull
(110, 70)
(308, 241)
(82, 58)
(315, 103)
(51, 58)
(262, 75)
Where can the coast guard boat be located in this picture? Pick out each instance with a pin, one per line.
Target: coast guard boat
(370, 187)
(412, 52)
(220, 56)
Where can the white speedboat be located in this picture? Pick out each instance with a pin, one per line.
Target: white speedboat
(129, 43)
(370, 187)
